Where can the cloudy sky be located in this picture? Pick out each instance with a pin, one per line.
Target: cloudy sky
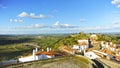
(59, 16)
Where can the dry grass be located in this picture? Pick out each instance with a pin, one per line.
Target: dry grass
(65, 62)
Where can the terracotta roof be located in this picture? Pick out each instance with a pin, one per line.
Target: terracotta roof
(117, 58)
(51, 53)
(90, 49)
(107, 51)
(118, 49)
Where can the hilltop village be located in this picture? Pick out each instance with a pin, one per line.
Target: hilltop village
(90, 48)
(94, 49)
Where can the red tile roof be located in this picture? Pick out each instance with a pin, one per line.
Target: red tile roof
(118, 58)
(51, 53)
(90, 49)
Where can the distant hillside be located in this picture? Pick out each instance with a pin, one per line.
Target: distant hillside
(72, 39)
(12, 46)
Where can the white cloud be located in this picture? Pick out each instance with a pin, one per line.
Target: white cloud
(111, 26)
(58, 25)
(31, 15)
(23, 14)
(16, 20)
(11, 20)
(38, 26)
(30, 26)
(116, 2)
(68, 28)
(116, 23)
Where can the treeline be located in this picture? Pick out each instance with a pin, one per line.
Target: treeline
(109, 38)
(73, 38)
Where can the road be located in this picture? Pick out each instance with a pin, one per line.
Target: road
(99, 65)
(110, 64)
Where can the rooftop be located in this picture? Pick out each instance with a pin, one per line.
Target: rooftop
(118, 58)
(51, 53)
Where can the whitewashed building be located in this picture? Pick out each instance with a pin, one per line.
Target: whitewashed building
(37, 56)
(82, 45)
(108, 45)
(91, 55)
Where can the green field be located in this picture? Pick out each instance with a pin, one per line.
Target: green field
(12, 47)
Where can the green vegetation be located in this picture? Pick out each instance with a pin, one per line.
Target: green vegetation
(115, 38)
(82, 59)
(13, 51)
(72, 39)
(12, 47)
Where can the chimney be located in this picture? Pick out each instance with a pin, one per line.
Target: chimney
(106, 43)
(47, 49)
(102, 42)
(50, 49)
(42, 49)
(36, 50)
(34, 55)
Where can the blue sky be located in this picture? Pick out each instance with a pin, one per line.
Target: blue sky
(59, 16)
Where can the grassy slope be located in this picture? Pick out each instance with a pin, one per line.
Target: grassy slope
(64, 62)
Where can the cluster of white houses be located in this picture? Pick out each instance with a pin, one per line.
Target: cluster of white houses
(110, 46)
(38, 55)
(82, 45)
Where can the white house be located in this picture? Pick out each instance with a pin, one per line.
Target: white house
(37, 56)
(91, 55)
(108, 45)
(82, 45)
(44, 55)
(83, 41)
(93, 35)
